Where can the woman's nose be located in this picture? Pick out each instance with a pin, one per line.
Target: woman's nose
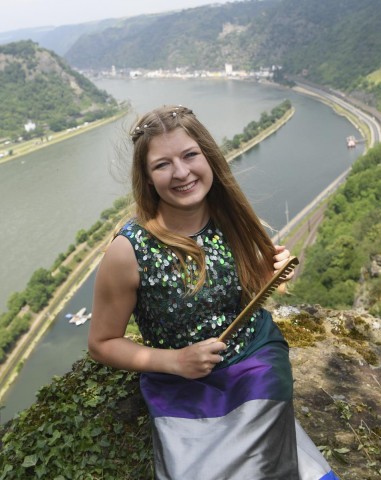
(181, 170)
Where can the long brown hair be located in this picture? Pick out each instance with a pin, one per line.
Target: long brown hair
(230, 210)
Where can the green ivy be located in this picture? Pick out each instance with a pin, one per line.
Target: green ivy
(75, 430)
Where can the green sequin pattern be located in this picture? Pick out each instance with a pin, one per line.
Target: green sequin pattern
(168, 314)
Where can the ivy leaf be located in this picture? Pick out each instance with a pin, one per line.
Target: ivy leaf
(342, 450)
(56, 435)
(29, 461)
(41, 471)
(96, 431)
(8, 468)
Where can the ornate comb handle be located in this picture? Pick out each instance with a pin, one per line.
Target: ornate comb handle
(260, 298)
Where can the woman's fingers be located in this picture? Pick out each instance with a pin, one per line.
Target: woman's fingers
(280, 258)
(199, 359)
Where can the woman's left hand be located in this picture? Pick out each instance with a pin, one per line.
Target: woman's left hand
(280, 258)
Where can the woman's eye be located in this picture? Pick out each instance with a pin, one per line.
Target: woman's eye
(190, 154)
(158, 166)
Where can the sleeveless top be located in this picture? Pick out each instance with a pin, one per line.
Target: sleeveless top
(168, 316)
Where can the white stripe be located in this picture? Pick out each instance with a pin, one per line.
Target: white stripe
(256, 441)
(312, 464)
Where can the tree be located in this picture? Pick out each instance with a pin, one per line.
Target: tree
(37, 297)
(16, 301)
(81, 236)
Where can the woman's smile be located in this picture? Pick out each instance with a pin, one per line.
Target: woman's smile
(185, 188)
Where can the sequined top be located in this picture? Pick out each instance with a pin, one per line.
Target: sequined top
(168, 317)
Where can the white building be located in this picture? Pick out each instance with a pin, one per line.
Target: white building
(228, 68)
(30, 126)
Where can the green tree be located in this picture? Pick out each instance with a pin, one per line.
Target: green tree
(16, 301)
(81, 236)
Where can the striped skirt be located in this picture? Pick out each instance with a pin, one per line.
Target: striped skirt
(237, 423)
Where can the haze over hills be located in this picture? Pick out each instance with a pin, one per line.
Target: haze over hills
(59, 39)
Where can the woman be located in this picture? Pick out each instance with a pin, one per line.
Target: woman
(185, 267)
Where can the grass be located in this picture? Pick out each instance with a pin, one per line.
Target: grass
(375, 76)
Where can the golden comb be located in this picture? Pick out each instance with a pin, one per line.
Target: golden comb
(260, 298)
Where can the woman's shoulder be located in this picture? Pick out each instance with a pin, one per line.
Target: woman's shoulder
(131, 228)
(140, 238)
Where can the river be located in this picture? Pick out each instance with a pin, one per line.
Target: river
(49, 195)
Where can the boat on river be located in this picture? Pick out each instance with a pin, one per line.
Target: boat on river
(351, 141)
(80, 317)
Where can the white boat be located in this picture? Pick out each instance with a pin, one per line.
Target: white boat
(77, 316)
(83, 319)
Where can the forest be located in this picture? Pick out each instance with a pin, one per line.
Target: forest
(341, 267)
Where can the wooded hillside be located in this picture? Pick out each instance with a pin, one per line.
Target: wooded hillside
(334, 43)
(343, 267)
(36, 85)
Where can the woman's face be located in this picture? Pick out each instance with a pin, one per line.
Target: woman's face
(178, 170)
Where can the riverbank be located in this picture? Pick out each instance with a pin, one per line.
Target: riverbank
(44, 319)
(245, 147)
(30, 146)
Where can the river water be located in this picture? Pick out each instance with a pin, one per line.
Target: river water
(49, 195)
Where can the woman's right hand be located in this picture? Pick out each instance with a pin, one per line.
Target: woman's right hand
(199, 359)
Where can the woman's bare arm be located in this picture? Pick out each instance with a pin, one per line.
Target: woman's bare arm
(115, 296)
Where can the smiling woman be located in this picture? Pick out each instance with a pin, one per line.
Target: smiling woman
(185, 266)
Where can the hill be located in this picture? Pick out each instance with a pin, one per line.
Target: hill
(38, 88)
(336, 43)
(197, 38)
(329, 42)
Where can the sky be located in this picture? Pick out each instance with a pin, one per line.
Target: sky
(18, 14)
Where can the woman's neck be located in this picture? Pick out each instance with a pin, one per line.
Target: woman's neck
(184, 222)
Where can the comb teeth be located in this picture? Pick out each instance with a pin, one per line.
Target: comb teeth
(259, 299)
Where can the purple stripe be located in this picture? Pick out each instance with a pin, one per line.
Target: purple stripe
(265, 375)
